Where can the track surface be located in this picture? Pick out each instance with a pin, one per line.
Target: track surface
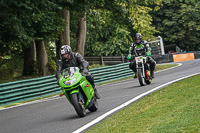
(56, 115)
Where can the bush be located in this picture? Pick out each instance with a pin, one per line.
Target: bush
(11, 68)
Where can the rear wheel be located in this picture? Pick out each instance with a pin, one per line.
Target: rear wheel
(78, 105)
(148, 78)
(140, 78)
(94, 107)
(148, 81)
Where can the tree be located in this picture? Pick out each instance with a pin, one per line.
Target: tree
(23, 21)
(81, 36)
(47, 25)
(42, 58)
(30, 59)
(82, 8)
(65, 35)
(112, 24)
(13, 20)
(178, 23)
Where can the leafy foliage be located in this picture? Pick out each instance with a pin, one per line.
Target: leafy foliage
(112, 24)
(9, 69)
(178, 23)
(105, 35)
(25, 20)
(141, 18)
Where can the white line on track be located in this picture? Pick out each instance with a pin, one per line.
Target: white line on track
(37, 101)
(127, 103)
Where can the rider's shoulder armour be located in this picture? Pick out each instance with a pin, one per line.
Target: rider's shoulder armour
(144, 41)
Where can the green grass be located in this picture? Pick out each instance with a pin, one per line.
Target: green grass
(162, 67)
(96, 66)
(173, 109)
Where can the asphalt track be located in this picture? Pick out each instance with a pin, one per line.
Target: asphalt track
(56, 115)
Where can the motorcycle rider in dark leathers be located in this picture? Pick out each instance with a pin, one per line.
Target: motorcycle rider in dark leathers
(132, 65)
(72, 59)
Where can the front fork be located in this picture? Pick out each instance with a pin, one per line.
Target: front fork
(141, 66)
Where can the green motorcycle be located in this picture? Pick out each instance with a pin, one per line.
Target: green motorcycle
(78, 91)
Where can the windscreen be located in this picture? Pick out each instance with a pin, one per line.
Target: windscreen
(68, 72)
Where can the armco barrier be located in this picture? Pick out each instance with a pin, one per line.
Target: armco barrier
(24, 90)
(109, 73)
(19, 91)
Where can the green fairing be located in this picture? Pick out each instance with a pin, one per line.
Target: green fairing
(89, 91)
(80, 82)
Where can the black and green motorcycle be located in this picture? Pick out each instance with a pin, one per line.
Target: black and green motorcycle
(78, 91)
(143, 68)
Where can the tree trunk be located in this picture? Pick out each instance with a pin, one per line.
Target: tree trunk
(29, 59)
(58, 45)
(65, 35)
(42, 58)
(81, 36)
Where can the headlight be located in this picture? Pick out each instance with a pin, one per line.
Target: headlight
(70, 82)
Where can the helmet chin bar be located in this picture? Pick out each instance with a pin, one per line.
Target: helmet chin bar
(138, 41)
(66, 57)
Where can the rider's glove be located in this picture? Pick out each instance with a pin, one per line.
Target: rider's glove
(85, 72)
(148, 54)
(129, 57)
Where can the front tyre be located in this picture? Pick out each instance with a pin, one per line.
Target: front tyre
(140, 78)
(94, 107)
(78, 105)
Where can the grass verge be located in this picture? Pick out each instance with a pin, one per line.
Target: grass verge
(175, 108)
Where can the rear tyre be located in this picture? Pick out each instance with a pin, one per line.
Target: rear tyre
(148, 81)
(94, 107)
(140, 78)
(78, 105)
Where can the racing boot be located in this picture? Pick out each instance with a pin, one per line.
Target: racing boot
(135, 75)
(152, 74)
(96, 93)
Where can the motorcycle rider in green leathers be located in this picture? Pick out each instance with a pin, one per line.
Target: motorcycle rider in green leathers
(132, 65)
(71, 59)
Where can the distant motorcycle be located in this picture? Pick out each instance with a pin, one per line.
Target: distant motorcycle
(143, 68)
(78, 91)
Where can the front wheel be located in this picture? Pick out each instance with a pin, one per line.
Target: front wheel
(140, 77)
(78, 105)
